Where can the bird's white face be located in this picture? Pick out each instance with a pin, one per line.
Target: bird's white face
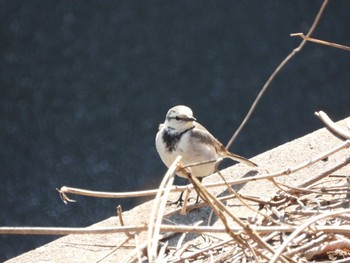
(179, 118)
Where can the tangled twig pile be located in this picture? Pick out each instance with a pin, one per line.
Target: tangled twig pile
(298, 224)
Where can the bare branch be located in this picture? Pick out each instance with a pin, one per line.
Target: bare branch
(332, 126)
(276, 72)
(62, 231)
(302, 227)
(159, 204)
(322, 42)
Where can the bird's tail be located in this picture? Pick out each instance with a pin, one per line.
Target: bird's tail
(241, 159)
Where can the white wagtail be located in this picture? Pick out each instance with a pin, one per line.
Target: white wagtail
(180, 134)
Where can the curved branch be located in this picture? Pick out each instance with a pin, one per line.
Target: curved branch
(331, 125)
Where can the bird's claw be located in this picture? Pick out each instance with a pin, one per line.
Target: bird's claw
(179, 202)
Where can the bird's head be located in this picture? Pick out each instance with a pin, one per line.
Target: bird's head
(179, 119)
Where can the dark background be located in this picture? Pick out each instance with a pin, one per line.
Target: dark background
(84, 85)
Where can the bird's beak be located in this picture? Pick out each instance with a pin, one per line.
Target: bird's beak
(191, 119)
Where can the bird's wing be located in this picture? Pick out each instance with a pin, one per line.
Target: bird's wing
(204, 136)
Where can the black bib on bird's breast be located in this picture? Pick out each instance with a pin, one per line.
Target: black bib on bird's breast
(171, 140)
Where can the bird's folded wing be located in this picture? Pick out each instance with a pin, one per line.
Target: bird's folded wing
(204, 136)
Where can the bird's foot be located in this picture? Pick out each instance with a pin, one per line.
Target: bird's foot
(197, 199)
(179, 202)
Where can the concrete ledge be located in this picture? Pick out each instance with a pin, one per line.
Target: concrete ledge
(103, 247)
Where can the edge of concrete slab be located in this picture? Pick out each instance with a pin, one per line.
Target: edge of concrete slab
(113, 247)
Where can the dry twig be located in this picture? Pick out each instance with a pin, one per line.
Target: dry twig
(158, 210)
(301, 228)
(276, 72)
(331, 125)
(69, 190)
(318, 41)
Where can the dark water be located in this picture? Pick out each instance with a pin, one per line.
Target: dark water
(84, 85)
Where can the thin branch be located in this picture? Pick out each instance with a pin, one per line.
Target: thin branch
(276, 72)
(331, 125)
(113, 250)
(199, 252)
(64, 190)
(63, 231)
(318, 41)
(219, 208)
(331, 246)
(69, 190)
(121, 221)
(158, 210)
(312, 243)
(301, 188)
(302, 228)
(325, 173)
(131, 257)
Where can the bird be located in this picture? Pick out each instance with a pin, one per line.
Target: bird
(181, 134)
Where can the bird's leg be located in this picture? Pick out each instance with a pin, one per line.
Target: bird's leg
(178, 202)
(218, 162)
(183, 170)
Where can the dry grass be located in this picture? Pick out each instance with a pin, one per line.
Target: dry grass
(299, 224)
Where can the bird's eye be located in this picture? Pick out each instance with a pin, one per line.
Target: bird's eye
(177, 118)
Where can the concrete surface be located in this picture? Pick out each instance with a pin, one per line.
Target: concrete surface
(103, 247)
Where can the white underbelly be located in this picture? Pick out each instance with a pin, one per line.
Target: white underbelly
(202, 154)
